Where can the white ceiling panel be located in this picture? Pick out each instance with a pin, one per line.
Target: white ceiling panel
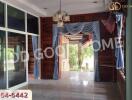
(37, 7)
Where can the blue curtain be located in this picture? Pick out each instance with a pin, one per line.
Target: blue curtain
(36, 61)
(56, 33)
(73, 29)
(119, 53)
(96, 37)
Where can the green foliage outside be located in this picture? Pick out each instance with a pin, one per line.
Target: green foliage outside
(86, 52)
(73, 56)
(10, 54)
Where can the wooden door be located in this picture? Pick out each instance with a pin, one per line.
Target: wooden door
(60, 56)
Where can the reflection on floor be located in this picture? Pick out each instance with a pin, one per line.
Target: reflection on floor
(73, 86)
(31, 77)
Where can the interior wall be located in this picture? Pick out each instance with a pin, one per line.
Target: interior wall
(47, 65)
(107, 59)
(46, 41)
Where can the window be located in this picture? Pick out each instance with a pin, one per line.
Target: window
(13, 58)
(2, 20)
(32, 24)
(16, 63)
(16, 19)
(2, 60)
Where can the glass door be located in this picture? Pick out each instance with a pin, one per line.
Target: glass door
(16, 59)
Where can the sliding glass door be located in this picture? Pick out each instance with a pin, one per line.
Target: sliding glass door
(16, 56)
(16, 59)
(15, 26)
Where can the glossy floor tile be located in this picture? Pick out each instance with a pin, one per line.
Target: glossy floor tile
(73, 86)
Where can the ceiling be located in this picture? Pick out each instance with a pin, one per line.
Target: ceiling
(49, 7)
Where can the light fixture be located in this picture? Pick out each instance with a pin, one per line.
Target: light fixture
(60, 17)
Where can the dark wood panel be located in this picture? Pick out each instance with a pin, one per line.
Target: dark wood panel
(31, 56)
(107, 57)
(46, 37)
(107, 73)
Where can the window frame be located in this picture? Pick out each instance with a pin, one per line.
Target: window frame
(6, 29)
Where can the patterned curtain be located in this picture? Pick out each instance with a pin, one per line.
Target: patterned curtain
(119, 51)
(73, 29)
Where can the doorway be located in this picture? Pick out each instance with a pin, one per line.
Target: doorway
(78, 57)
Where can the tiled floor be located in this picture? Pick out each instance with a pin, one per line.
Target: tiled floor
(73, 86)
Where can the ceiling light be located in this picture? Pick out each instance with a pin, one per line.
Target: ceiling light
(60, 17)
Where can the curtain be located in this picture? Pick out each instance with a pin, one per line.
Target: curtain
(119, 53)
(36, 61)
(73, 29)
(96, 37)
(56, 34)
